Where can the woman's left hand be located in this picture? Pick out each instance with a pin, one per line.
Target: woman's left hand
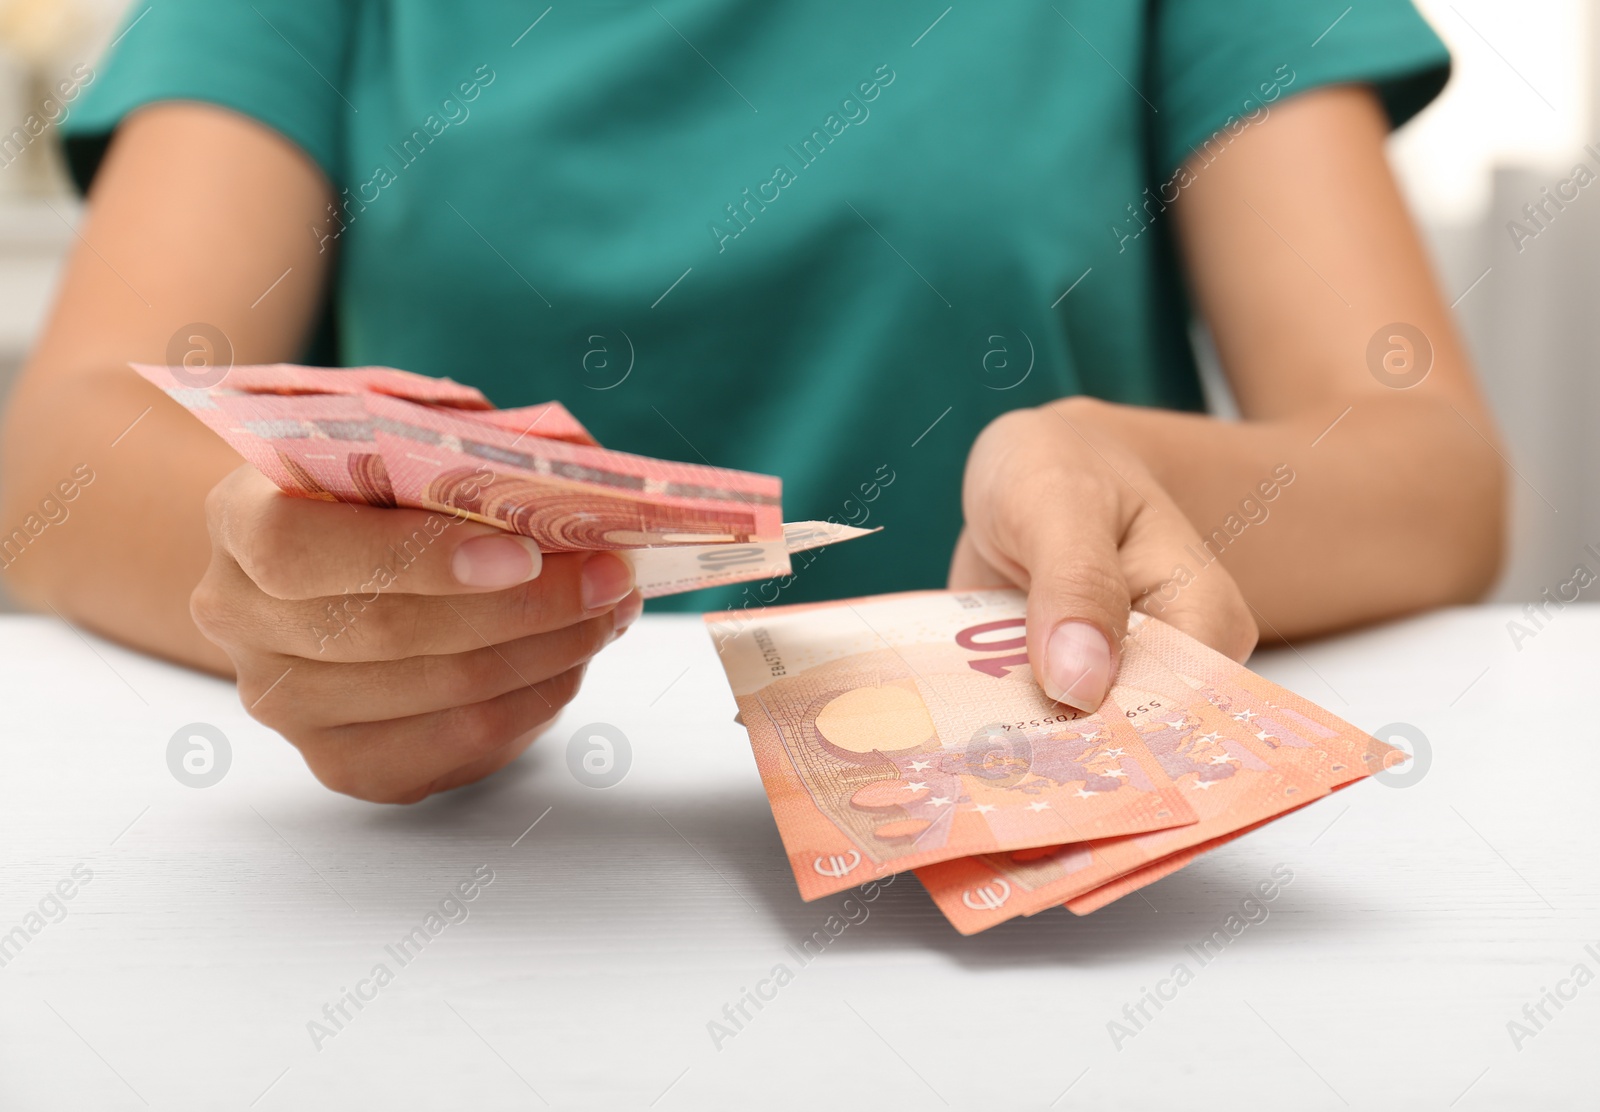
(1057, 506)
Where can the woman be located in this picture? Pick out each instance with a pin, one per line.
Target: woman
(935, 270)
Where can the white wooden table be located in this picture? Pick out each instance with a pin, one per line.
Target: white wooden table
(219, 923)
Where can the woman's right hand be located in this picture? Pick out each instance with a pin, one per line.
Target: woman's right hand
(403, 652)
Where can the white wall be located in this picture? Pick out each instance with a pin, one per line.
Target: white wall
(1514, 120)
(1520, 95)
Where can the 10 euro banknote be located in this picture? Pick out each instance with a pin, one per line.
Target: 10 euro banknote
(381, 437)
(907, 732)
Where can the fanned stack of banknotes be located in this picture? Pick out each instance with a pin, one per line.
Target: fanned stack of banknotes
(380, 437)
(896, 732)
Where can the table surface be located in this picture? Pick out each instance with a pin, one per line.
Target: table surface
(217, 925)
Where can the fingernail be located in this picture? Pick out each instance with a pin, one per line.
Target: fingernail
(607, 578)
(496, 561)
(627, 612)
(1077, 666)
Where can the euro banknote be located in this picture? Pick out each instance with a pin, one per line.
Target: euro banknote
(1227, 775)
(381, 437)
(907, 732)
(1302, 738)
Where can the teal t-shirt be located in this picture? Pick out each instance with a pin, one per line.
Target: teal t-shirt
(825, 241)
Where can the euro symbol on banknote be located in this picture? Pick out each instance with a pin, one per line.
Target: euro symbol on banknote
(990, 897)
(836, 865)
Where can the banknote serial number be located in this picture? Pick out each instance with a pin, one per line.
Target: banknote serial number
(1034, 723)
(1143, 708)
(769, 652)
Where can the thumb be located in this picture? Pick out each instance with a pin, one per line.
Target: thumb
(1077, 606)
(1077, 618)
(1049, 512)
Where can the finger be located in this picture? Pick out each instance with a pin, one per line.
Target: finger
(1204, 602)
(398, 761)
(301, 548)
(1077, 614)
(971, 572)
(231, 610)
(323, 694)
(473, 771)
(1067, 557)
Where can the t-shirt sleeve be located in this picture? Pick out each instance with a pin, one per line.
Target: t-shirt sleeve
(281, 62)
(1214, 63)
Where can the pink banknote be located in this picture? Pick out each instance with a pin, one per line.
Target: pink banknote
(382, 437)
(904, 730)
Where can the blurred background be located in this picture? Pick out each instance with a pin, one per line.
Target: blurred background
(1521, 108)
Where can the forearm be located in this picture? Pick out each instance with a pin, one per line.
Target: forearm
(1326, 521)
(122, 555)
(196, 212)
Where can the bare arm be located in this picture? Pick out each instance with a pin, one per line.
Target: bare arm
(441, 675)
(1300, 251)
(1339, 499)
(196, 212)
